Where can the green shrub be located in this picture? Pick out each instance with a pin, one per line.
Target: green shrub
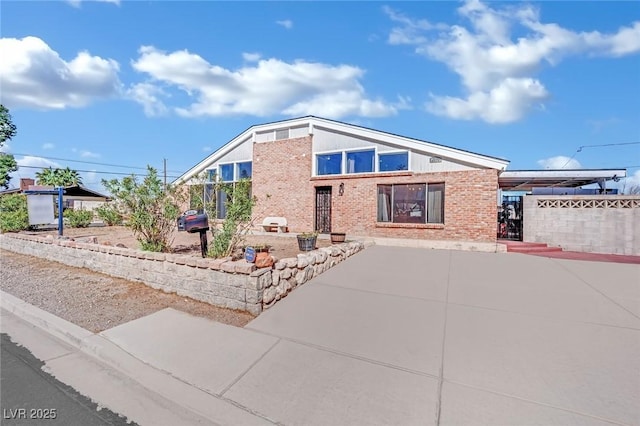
(78, 218)
(239, 205)
(151, 208)
(14, 215)
(109, 214)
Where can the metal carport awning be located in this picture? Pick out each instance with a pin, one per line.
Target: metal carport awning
(526, 180)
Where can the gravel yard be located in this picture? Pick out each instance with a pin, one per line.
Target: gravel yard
(282, 246)
(95, 301)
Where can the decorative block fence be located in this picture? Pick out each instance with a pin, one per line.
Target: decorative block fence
(587, 223)
(220, 282)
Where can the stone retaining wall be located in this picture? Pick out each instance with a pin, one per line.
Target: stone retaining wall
(221, 282)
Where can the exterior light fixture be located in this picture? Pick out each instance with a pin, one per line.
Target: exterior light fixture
(341, 189)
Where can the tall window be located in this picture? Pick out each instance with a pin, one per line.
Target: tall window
(435, 203)
(216, 193)
(244, 170)
(226, 172)
(411, 203)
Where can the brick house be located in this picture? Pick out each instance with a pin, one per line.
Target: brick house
(331, 176)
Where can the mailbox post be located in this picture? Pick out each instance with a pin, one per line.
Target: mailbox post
(192, 221)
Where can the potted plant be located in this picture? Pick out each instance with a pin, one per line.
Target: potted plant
(307, 241)
(338, 237)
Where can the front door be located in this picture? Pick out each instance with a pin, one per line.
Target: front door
(323, 209)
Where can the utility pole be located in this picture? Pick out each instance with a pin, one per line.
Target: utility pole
(165, 173)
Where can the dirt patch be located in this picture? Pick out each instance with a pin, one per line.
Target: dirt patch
(282, 246)
(94, 301)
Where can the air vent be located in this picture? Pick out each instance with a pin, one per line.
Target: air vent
(282, 134)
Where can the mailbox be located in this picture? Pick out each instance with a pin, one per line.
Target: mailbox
(193, 221)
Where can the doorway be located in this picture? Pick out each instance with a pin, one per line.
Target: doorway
(323, 209)
(510, 218)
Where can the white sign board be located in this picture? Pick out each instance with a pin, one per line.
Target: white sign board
(40, 209)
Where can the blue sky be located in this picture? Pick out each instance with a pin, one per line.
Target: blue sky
(120, 83)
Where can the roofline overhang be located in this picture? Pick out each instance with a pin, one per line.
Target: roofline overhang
(363, 132)
(523, 180)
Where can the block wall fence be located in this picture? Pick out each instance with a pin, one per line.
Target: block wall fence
(220, 282)
(594, 223)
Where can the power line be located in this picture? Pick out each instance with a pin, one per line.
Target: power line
(581, 147)
(89, 162)
(92, 171)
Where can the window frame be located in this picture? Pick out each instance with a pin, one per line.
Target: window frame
(343, 162)
(217, 172)
(394, 152)
(391, 211)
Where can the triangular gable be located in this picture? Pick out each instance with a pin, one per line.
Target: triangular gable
(430, 148)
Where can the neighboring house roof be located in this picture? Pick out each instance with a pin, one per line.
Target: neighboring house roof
(525, 180)
(431, 148)
(69, 191)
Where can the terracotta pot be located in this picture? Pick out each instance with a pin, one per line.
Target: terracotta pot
(338, 237)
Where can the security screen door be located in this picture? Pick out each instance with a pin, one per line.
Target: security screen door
(323, 209)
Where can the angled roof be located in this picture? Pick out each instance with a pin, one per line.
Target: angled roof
(525, 180)
(431, 148)
(69, 191)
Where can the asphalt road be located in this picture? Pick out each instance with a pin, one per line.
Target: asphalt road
(30, 396)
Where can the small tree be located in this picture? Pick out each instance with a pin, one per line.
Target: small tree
(237, 222)
(58, 177)
(8, 162)
(14, 215)
(109, 213)
(151, 209)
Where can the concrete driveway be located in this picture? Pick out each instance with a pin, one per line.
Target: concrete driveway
(413, 336)
(406, 336)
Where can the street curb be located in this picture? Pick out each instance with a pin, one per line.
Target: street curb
(162, 383)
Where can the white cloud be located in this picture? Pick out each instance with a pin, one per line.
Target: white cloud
(505, 103)
(251, 57)
(48, 145)
(77, 3)
(559, 162)
(286, 23)
(28, 166)
(148, 95)
(34, 75)
(270, 86)
(89, 154)
(206, 149)
(497, 69)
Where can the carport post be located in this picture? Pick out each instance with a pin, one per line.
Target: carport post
(60, 218)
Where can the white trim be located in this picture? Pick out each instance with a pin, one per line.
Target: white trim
(376, 160)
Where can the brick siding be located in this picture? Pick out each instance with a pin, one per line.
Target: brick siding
(282, 169)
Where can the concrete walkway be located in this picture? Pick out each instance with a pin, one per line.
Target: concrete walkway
(409, 336)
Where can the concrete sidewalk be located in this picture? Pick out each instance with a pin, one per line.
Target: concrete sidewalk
(401, 336)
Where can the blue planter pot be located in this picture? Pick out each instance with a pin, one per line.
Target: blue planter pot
(306, 243)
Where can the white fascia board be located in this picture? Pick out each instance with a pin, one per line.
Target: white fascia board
(223, 150)
(574, 173)
(420, 146)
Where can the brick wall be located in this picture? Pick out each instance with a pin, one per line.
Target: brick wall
(280, 181)
(282, 169)
(470, 205)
